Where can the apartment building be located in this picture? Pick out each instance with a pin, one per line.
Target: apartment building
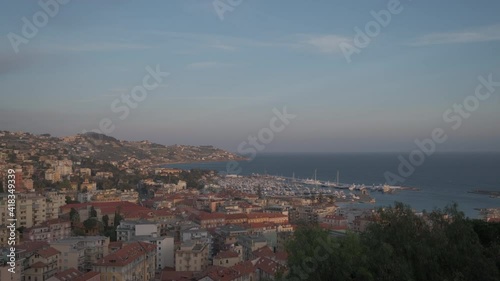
(51, 230)
(192, 256)
(43, 265)
(251, 243)
(81, 252)
(129, 229)
(209, 220)
(165, 249)
(229, 257)
(54, 201)
(135, 261)
(310, 214)
(30, 210)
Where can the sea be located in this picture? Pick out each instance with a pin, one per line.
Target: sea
(442, 178)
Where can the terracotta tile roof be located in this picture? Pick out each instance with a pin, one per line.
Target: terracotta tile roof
(31, 246)
(210, 216)
(49, 252)
(243, 268)
(68, 274)
(257, 215)
(87, 276)
(268, 266)
(263, 252)
(218, 273)
(115, 245)
(38, 264)
(236, 216)
(163, 212)
(126, 255)
(176, 275)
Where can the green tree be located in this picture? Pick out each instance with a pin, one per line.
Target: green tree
(315, 255)
(399, 245)
(105, 221)
(93, 212)
(90, 223)
(439, 246)
(65, 184)
(69, 200)
(74, 216)
(118, 219)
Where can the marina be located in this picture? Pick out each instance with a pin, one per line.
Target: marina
(280, 186)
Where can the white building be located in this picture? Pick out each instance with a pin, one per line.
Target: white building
(130, 229)
(165, 250)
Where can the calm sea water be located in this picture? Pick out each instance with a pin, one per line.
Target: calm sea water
(442, 178)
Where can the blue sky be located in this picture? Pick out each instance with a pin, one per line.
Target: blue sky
(226, 76)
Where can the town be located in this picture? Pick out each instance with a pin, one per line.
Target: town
(90, 208)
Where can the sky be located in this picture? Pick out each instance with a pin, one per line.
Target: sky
(232, 65)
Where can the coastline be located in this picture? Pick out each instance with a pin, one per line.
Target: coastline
(160, 165)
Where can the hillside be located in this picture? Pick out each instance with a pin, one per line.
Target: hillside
(102, 147)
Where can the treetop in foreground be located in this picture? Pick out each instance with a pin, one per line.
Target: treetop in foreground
(400, 245)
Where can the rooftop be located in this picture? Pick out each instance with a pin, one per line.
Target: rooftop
(127, 254)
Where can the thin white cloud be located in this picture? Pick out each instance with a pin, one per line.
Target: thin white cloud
(482, 34)
(328, 44)
(97, 47)
(206, 65)
(219, 98)
(322, 43)
(224, 47)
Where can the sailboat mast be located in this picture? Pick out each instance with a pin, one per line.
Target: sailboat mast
(315, 181)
